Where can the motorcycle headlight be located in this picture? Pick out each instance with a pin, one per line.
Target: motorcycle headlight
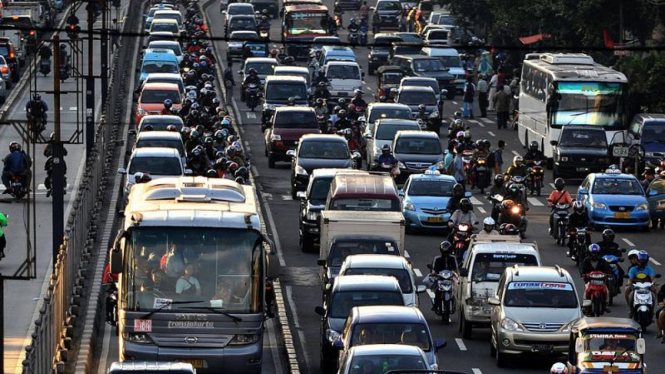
(401, 165)
(137, 337)
(510, 325)
(301, 170)
(515, 209)
(564, 159)
(409, 206)
(312, 216)
(332, 335)
(599, 205)
(643, 206)
(245, 339)
(440, 165)
(275, 137)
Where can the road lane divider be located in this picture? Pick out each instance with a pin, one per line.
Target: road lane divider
(491, 133)
(475, 201)
(481, 210)
(653, 261)
(628, 242)
(486, 120)
(418, 273)
(476, 371)
(460, 344)
(535, 202)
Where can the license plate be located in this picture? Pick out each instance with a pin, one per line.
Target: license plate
(435, 219)
(624, 215)
(582, 169)
(197, 364)
(343, 93)
(542, 348)
(610, 369)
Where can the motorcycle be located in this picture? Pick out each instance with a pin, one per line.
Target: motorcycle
(45, 66)
(613, 279)
(643, 303)
(252, 96)
(535, 177)
(481, 174)
(353, 38)
(48, 182)
(560, 214)
(322, 122)
(338, 21)
(363, 35)
(443, 284)
(385, 167)
(496, 201)
(520, 181)
(516, 217)
(461, 239)
(38, 125)
(17, 186)
(112, 304)
(579, 238)
(64, 70)
(595, 291)
(264, 34)
(468, 166)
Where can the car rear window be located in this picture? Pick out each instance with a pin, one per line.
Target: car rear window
(402, 276)
(434, 85)
(340, 250)
(417, 97)
(418, 146)
(343, 72)
(437, 35)
(389, 5)
(156, 165)
(343, 302)
(540, 295)
(295, 120)
(324, 150)
(150, 67)
(158, 96)
(161, 143)
(262, 68)
(158, 125)
(388, 113)
(488, 267)
(4, 50)
(388, 131)
(366, 204)
(391, 333)
(281, 91)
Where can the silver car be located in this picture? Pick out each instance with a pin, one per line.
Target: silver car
(369, 358)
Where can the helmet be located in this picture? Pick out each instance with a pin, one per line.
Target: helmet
(517, 160)
(467, 135)
(643, 257)
(203, 64)
(559, 368)
(342, 101)
(337, 108)
(460, 134)
(507, 204)
(252, 71)
(196, 65)
(14, 146)
(489, 224)
(319, 101)
(510, 229)
(422, 107)
(232, 166)
(559, 184)
(37, 97)
(351, 108)
(609, 235)
(457, 115)
(533, 146)
(578, 206)
(226, 123)
(195, 134)
(341, 113)
(3, 220)
(171, 128)
(239, 180)
(216, 102)
(142, 177)
(196, 152)
(168, 103)
(242, 172)
(487, 143)
(212, 173)
(219, 135)
(209, 141)
(459, 123)
(385, 149)
(465, 205)
(444, 247)
(633, 253)
(594, 249)
(513, 189)
(479, 143)
(357, 92)
(458, 189)
(498, 180)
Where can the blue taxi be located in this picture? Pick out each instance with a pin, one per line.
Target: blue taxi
(614, 199)
(656, 195)
(424, 200)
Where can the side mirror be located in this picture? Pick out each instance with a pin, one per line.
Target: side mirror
(321, 262)
(115, 260)
(400, 193)
(131, 132)
(429, 266)
(122, 171)
(579, 344)
(641, 346)
(493, 301)
(368, 136)
(440, 343)
(189, 172)
(302, 195)
(223, 12)
(291, 153)
(444, 92)
(372, 8)
(583, 191)
(554, 142)
(653, 192)
(586, 303)
(320, 311)
(464, 272)
(421, 288)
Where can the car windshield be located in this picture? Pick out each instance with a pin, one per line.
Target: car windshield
(402, 276)
(653, 132)
(161, 143)
(385, 42)
(488, 267)
(445, 20)
(388, 113)
(161, 125)
(262, 68)
(431, 187)
(342, 302)
(417, 98)
(586, 103)
(242, 23)
(343, 72)
(389, 5)
(658, 185)
(294, 74)
(604, 346)
(173, 47)
(540, 295)
(583, 138)
(392, 78)
(318, 192)
(433, 84)
(295, 120)
(244, 35)
(150, 67)
(387, 131)
(381, 364)
(158, 96)
(164, 26)
(391, 333)
(4, 50)
(366, 204)
(174, 16)
(281, 91)
(425, 65)
(156, 165)
(617, 186)
(340, 250)
(437, 35)
(324, 150)
(418, 146)
(299, 23)
(233, 10)
(407, 50)
(451, 61)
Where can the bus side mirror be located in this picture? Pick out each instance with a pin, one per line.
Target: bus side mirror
(579, 345)
(272, 262)
(115, 261)
(554, 143)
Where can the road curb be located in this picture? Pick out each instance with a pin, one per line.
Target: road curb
(283, 321)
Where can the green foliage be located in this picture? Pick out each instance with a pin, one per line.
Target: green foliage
(646, 80)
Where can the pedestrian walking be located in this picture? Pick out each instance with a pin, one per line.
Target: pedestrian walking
(115, 34)
(458, 166)
(448, 159)
(469, 93)
(501, 102)
(229, 82)
(493, 84)
(364, 10)
(498, 157)
(483, 88)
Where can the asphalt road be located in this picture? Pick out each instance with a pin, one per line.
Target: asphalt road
(300, 272)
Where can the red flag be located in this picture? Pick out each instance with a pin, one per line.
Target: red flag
(609, 43)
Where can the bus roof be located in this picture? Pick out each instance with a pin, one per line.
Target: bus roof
(299, 8)
(192, 201)
(573, 67)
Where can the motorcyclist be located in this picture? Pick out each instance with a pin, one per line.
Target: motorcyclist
(481, 150)
(321, 78)
(320, 107)
(264, 24)
(463, 215)
(558, 196)
(37, 108)
(353, 26)
(468, 141)
(640, 273)
(454, 201)
(166, 110)
(233, 155)
(252, 78)
(577, 219)
(358, 100)
(517, 168)
(352, 113)
(488, 229)
(322, 92)
(595, 263)
(609, 247)
(499, 187)
(198, 161)
(45, 52)
(386, 157)
(342, 121)
(516, 194)
(444, 261)
(533, 154)
(16, 163)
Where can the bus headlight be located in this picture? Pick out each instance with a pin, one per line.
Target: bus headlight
(244, 339)
(137, 337)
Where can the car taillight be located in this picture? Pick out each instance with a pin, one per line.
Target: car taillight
(32, 32)
(4, 69)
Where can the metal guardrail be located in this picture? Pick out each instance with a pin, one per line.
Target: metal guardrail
(51, 342)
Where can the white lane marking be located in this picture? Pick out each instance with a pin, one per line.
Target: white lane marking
(473, 121)
(454, 102)
(480, 124)
(476, 371)
(247, 143)
(460, 344)
(251, 115)
(255, 171)
(654, 261)
(475, 201)
(248, 149)
(418, 273)
(491, 133)
(42, 187)
(369, 89)
(481, 210)
(406, 254)
(242, 130)
(535, 202)
(286, 197)
(628, 242)
(486, 120)
(431, 294)
(516, 154)
(72, 108)
(553, 186)
(289, 296)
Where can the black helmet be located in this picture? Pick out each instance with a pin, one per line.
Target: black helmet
(444, 247)
(148, 127)
(14, 146)
(168, 103)
(385, 149)
(422, 107)
(498, 180)
(342, 101)
(242, 172)
(513, 189)
(559, 184)
(252, 71)
(608, 235)
(212, 173)
(209, 141)
(465, 205)
(240, 180)
(458, 189)
(578, 206)
(533, 146)
(457, 115)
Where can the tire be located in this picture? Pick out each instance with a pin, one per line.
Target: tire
(294, 193)
(492, 349)
(465, 327)
(644, 321)
(370, 70)
(538, 189)
(305, 243)
(610, 296)
(445, 312)
(8, 83)
(597, 307)
(501, 359)
(271, 162)
(265, 151)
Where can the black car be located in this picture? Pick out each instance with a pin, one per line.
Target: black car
(7, 51)
(580, 150)
(386, 15)
(380, 51)
(269, 5)
(425, 66)
(240, 22)
(318, 151)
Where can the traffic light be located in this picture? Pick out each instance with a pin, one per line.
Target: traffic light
(73, 26)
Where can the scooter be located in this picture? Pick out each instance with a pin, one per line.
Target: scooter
(612, 280)
(515, 216)
(45, 66)
(560, 214)
(579, 236)
(443, 284)
(353, 38)
(643, 303)
(461, 239)
(482, 176)
(363, 35)
(535, 177)
(252, 96)
(112, 304)
(264, 34)
(595, 291)
(385, 167)
(17, 186)
(496, 201)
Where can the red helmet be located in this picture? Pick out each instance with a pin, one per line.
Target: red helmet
(507, 204)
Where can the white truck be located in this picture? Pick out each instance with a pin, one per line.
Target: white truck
(20, 24)
(346, 233)
(41, 17)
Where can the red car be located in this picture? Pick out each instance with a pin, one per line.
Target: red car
(151, 99)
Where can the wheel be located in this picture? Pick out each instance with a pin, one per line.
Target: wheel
(492, 349)
(305, 242)
(466, 328)
(538, 189)
(265, 151)
(271, 162)
(501, 359)
(294, 193)
(645, 228)
(8, 83)
(610, 296)
(597, 307)
(370, 70)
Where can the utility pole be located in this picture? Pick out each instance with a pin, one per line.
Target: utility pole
(58, 165)
(90, 86)
(105, 53)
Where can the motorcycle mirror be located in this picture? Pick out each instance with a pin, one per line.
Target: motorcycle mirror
(623, 250)
(421, 288)
(429, 266)
(493, 301)
(641, 346)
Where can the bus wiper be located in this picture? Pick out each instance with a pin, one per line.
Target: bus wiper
(167, 304)
(218, 310)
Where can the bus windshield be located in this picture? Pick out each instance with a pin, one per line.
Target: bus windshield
(307, 23)
(203, 267)
(588, 103)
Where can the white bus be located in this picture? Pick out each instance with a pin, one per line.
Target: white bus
(569, 89)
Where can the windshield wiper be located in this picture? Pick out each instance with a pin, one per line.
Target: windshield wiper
(168, 304)
(217, 310)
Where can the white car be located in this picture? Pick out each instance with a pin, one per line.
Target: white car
(166, 78)
(383, 357)
(168, 14)
(166, 44)
(166, 25)
(158, 162)
(161, 139)
(345, 77)
(383, 133)
(394, 266)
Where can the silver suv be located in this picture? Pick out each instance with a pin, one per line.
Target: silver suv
(532, 312)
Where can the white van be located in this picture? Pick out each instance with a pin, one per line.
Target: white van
(345, 77)
(451, 60)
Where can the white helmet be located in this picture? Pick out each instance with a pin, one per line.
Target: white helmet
(633, 252)
(489, 224)
(559, 368)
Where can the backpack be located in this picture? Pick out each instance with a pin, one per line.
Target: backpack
(490, 160)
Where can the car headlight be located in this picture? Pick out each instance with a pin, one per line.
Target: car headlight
(301, 170)
(137, 337)
(401, 165)
(599, 205)
(268, 106)
(564, 158)
(565, 328)
(312, 216)
(332, 335)
(510, 325)
(244, 339)
(643, 206)
(440, 165)
(142, 112)
(275, 137)
(409, 206)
